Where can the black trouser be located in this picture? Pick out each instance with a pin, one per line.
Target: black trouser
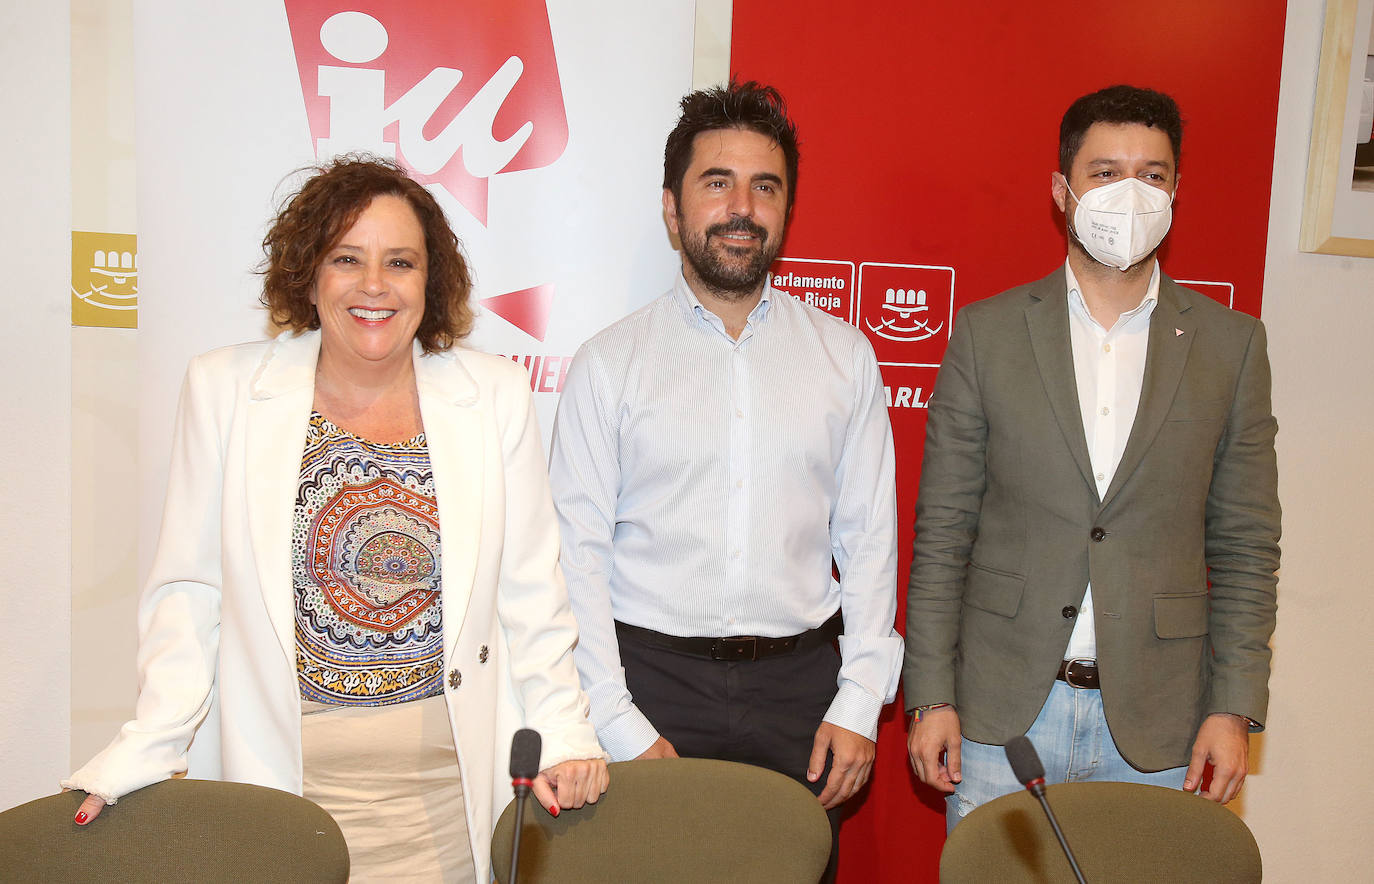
(763, 712)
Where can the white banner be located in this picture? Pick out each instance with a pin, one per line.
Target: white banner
(539, 128)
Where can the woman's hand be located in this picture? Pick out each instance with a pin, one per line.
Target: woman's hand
(570, 784)
(89, 809)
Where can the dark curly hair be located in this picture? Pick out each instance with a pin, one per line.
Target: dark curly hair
(1118, 104)
(311, 222)
(747, 105)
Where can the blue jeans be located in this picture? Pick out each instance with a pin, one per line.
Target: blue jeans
(1071, 737)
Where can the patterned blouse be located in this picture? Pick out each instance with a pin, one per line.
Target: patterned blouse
(366, 569)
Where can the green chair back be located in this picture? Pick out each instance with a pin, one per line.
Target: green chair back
(1119, 832)
(680, 820)
(175, 831)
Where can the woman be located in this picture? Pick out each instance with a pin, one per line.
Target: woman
(355, 595)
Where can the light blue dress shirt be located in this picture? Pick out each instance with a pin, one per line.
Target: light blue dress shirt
(704, 484)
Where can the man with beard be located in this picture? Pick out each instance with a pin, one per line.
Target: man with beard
(1099, 446)
(715, 454)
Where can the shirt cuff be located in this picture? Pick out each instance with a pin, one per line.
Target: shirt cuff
(855, 709)
(627, 736)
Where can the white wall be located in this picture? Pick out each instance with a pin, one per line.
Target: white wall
(1310, 803)
(104, 409)
(35, 459)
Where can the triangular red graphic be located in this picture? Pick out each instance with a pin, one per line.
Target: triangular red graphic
(527, 309)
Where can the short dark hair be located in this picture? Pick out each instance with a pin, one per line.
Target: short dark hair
(313, 219)
(1118, 104)
(747, 105)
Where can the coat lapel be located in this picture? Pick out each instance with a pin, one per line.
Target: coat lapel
(1047, 320)
(450, 408)
(281, 394)
(1172, 329)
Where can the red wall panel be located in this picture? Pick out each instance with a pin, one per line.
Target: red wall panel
(929, 132)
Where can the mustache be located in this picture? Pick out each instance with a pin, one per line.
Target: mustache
(738, 225)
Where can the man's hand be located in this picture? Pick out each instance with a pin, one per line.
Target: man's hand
(660, 749)
(850, 768)
(571, 784)
(936, 734)
(1224, 740)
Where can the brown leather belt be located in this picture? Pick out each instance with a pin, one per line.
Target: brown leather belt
(1080, 673)
(736, 648)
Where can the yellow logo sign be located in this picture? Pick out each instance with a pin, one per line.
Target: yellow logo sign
(104, 279)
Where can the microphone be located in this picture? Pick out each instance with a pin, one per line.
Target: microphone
(524, 760)
(524, 767)
(1026, 766)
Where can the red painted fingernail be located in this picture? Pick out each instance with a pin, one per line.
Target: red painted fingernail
(553, 809)
(81, 818)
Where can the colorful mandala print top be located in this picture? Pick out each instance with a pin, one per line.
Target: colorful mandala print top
(365, 563)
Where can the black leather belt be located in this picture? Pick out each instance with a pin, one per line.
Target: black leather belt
(736, 648)
(1080, 673)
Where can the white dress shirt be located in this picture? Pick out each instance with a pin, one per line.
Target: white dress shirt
(1109, 366)
(704, 484)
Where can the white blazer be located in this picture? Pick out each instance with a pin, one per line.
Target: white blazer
(218, 693)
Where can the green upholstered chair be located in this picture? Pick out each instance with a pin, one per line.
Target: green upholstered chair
(1119, 832)
(174, 831)
(675, 820)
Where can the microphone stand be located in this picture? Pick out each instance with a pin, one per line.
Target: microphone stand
(1026, 767)
(1037, 788)
(522, 788)
(524, 767)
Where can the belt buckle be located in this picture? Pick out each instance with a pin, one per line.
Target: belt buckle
(1069, 666)
(741, 647)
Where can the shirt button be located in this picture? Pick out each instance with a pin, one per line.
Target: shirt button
(1106, 411)
(739, 483)
(455, 678)
(735, 554)
(1098, 535)
(1106, 348)
(739, 412)
(1069, 612)
(1101, 476)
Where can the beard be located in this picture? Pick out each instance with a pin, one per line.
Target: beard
(729, 271)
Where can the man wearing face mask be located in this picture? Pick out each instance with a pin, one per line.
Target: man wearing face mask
(1099, 447)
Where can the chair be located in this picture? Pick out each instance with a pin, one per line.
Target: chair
(1119, 832)
(175, 831)
(675, 820)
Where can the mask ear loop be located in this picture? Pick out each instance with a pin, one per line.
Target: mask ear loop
(1068, 216)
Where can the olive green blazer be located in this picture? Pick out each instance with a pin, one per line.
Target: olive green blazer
(1010, 528)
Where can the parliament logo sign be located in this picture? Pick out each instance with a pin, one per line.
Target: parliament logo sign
(104, 279)
(826, 285)
(907, 310)
(1224, 293)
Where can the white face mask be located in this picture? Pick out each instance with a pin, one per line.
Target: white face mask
(1122, 222)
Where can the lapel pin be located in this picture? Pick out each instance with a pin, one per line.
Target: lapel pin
(1177, 332)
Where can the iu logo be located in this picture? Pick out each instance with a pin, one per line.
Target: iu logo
(457, 93)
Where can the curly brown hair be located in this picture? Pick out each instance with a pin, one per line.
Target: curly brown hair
(311, 222)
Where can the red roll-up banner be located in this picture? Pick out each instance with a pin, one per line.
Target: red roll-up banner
(929, 133)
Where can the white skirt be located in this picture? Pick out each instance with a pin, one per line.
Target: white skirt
(389, 777)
